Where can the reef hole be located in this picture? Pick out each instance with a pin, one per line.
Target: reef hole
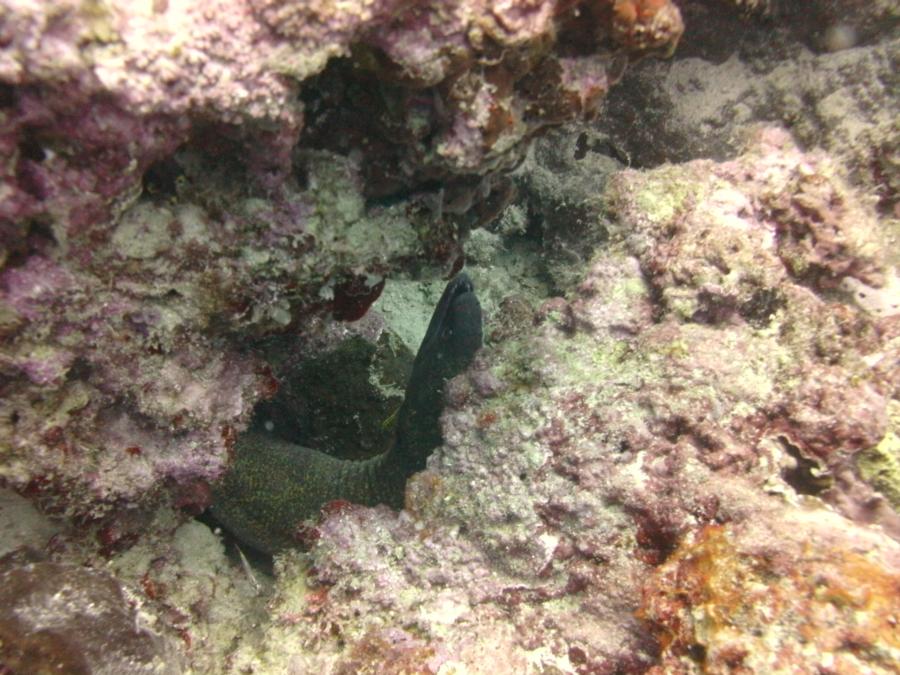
(339, 399)
(806, 476)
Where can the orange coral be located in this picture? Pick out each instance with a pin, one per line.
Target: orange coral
(647, 25)
(734, 605)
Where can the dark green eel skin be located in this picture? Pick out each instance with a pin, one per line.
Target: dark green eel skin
(273, 484)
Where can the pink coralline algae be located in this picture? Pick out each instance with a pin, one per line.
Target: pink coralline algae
(682, 463)
(465, 85)
(625, 494)
(94, 94)
(181, 179)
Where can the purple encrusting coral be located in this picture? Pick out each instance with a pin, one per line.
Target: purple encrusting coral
(164, 201)
(709, 392)
(684, 462)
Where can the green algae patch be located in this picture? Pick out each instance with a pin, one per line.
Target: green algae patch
(880, 466)
(100, 26)
(665, 193)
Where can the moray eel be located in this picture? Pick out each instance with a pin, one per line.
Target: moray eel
(274, 484)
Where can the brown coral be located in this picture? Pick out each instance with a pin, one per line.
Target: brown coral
(823, 597)
(647, 25)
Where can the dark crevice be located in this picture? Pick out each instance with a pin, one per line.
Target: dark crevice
(806, 476)
(161, 178)
(7, 95)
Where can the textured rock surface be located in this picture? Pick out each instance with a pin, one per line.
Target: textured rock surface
(21, 524)
(171, 195)
(191, 192)
(731, 598)
(663, 411)
(736, 71)
(62, 618)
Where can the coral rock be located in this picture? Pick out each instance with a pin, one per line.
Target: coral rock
(64, 618)
(685, 414)
(823, 597)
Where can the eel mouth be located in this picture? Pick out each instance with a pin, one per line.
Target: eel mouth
(459, 286)
(462, 284)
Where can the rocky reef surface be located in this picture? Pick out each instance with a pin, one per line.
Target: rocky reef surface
(181, 179)
(678, 451)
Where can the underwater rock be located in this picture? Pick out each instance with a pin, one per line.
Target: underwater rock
(127, 363)
(733, 74)
(880, 465)
(169, 201)
(558, 184)
(63, 618)
(717, 243)
(95, 95)
(21, 525)
(823, 598)
(707, 387)
(184, 185)
(465, 84)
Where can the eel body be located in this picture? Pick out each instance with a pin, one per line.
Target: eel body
(274, 484)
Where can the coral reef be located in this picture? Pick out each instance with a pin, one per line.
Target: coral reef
(726, 601)
(677, 451)
(181, 181)
(683, 404)
(734, 74)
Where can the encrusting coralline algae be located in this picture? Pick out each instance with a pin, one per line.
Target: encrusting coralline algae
(175, 184)
(676, 452)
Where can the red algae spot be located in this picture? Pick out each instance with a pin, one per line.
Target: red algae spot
(113, 538)
(306, 536)
(194, 497)
(53, 435)
(391, 650)
(229, 436)
(133, 450)
(151, 589)
(268, 383)
(655, 536)
(457, 266)
(352, 298)
(185, 636)
(335, 507)
(316, 600)
(486, 419)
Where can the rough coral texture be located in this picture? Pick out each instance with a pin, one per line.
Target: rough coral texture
(64, 618)
(191, 192)
(94, 93)
(168, 199)
(688, 409)
(729, 597)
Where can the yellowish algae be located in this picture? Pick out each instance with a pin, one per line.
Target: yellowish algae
(880, 465)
